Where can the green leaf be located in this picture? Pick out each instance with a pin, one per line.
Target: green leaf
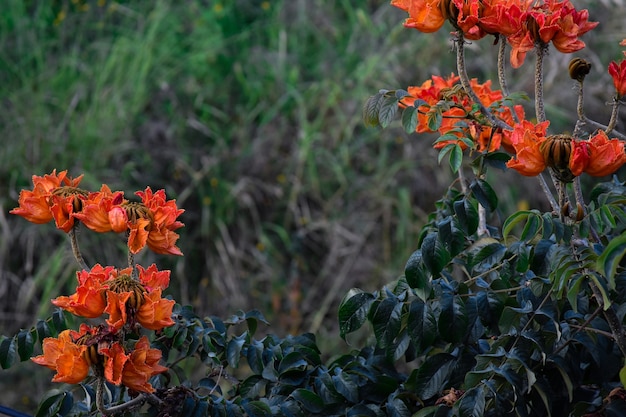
(467, 215)
(609, 259)
(233, 350)
(353, 311)
(310, 401)
(484, 194)
(386, 321)
(293, 361)
(371, 109)
(452, 321)
(397, 408)
(456, 158)
(409, 119)
(430, 378)
(388, 110)
(416, 275)
(472, 403)
(8, 351)
(421, 324)
(346, 386)
(25, 344)
(55, 403)
(257, 409)
(252, 387)
(434, 254)
(434, 117)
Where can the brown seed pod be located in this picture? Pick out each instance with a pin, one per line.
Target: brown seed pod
(556, 150)
(578, 69)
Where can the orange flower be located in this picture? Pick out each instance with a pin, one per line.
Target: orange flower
(142, 364)
(151, 222)
(526, 139)
(424, 15)
(618, 73)
(53, 197)
(161, 236)
(155, 312)
(88, 300)
(459, 119)
(102, 211)
(605, 155)
(65, 357)
(555, 21)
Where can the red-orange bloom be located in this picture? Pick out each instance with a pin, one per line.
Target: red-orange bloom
(161, 236)
(53, 197)
(438, 88)
(555, 21)
(605, 155)
(102, 211)
(142, 364)
(424, 15)
(526, 139)
(618, 73)
(88, 300)
(65, 357)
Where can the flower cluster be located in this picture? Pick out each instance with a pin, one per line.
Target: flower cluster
(130, 298)
(461, 118)
(567, 156)
(524, 23)
(73, 353)
(151, 222)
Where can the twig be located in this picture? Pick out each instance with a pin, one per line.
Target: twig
(614, 113)
(75, 249)
(465, 83)
(541, 49)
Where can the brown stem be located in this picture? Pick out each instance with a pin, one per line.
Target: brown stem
(541, 49)
(75, 249)
(465, 83)
(501, 67)
(614, 113)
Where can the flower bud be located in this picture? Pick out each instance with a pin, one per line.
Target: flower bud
(578, 69)
(556, 151)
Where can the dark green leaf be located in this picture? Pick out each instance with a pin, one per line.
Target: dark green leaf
(353, 311)
(293, 361)
(484, 194)
(310, 401)
(8, 351)
(610, 258)
(434, 254)
(397, 408)
(25, 344)
(386, 321)
(416, 275)
(467, 215)
(452, 321)
(409, 119)
(456, 158)
(346, 386)
(53, 403)
(233, 351)
(371, 110)
(388, 110)
(257, 409)
(472, 404)
(430, 378)
(252, 387)
(421, 324)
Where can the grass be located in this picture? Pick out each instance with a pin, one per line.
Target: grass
(247, 112)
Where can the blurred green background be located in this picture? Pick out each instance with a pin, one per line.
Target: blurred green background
(248, 113)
